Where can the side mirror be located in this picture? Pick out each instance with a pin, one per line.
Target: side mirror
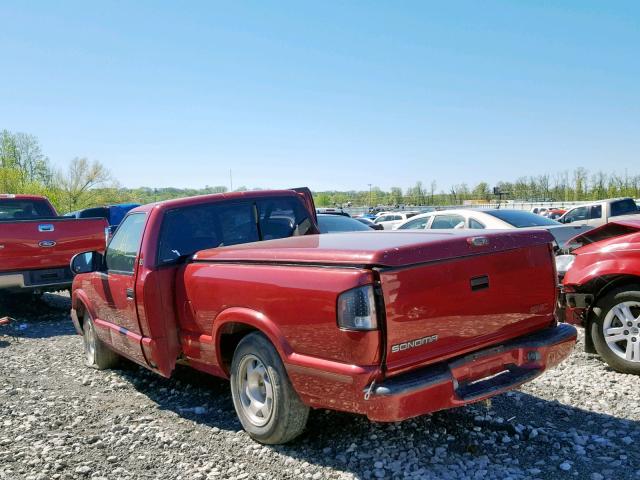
(86, 262)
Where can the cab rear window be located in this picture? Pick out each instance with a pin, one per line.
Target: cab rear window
(623, 207)
(16, 209)
(187, 230)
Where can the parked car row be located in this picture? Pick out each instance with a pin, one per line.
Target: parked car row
(498, 219)
(593, 214)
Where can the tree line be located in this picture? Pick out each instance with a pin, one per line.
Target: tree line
(24, 168)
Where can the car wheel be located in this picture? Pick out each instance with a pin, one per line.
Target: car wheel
(616, 329)
(97, 355)
(266, 403)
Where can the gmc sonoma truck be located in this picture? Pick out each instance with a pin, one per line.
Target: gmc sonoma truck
(387, 324)
(601, 292)
(36, 244)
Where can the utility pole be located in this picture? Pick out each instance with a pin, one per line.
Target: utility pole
(369, 195)
(230, 181)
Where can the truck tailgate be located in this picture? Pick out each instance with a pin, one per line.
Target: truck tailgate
(448, 307)
(48, 243)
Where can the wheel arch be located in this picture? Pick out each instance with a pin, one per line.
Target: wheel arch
(79, 306)
(234, 323)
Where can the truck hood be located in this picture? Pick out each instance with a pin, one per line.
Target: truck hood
(605, 236)
(386, 249)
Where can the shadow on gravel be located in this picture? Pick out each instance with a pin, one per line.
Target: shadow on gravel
(516, 425)
(191, 394)
(36, 316)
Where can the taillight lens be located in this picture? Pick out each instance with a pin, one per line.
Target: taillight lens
(357, 309)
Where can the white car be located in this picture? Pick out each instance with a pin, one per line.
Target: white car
(390, 219)
(497, 219)
(539, 210)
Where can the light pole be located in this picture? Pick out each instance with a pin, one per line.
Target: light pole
(369, 195)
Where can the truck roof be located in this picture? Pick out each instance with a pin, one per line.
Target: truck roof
(198, 199)
(22, 197)
(390, 249)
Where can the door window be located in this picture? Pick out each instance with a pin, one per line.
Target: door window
(447, 221)
(596, 212)
(473, 223)
(123, 248)
(580, 213)
(415, 224)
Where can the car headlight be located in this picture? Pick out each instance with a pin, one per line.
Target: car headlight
(563, 263)
(357, 309)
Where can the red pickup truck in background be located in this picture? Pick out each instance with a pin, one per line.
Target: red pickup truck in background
(387, 324)
(36, 244)
(601, 292)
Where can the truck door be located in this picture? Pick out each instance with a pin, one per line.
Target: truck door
(115, 307)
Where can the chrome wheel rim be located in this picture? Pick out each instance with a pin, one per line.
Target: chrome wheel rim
(255, 390)
(621, 329)
(89, 343)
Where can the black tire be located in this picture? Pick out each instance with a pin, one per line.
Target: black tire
(96, 354)
(287, 415)
(614, 353)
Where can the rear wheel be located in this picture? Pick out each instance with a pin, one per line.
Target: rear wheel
(97, 355)
(266, 403)
(616, 329)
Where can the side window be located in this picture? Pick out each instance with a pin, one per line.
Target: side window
(282, 217)
(596, 212)
(381, 219)
(123, 248)
(576, 214)
(473, 223)
(187, 230)
(447, 221)
(397, 217)
(415, 224)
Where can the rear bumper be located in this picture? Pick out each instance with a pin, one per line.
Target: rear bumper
(49, 279)
(469, 379)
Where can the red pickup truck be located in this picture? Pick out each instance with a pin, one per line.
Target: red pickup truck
(36, 244)
(387, 324)
(601, 292)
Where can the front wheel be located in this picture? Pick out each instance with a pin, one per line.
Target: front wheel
(97, 355)
(616, 329)
(266, 403)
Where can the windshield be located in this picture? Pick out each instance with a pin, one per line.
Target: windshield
(521, 219)
(18, 209)
(338, 223)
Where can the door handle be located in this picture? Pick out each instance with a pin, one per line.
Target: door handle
(130, 293)
(479, 283)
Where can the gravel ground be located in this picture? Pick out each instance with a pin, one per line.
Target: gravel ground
(62, 420)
